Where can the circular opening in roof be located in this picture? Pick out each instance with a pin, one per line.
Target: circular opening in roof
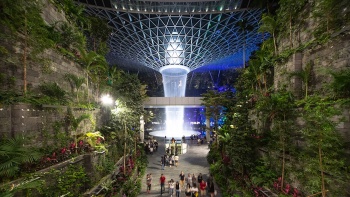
(174, 70)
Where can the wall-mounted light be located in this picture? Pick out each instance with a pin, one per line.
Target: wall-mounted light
(106, 100)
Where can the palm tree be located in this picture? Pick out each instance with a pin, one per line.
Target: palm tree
(269, 24)
(91, 61)
(305, 76)
(75, 123)
(75, 82)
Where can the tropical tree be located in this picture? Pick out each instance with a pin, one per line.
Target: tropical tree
(98, 32)
(74, 122)
(305, 75)
(330, 15)
(216, 103)
(128, 108)
(287, 13)
(322, 159)
(25, 26)
(75, 82)
(269, 25)
(279, 109)
(94, 64)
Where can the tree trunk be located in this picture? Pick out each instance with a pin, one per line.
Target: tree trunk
(274, 42)
(290, 31)
(283, 163)
(321, 169)
(25, 57)
(124, 158)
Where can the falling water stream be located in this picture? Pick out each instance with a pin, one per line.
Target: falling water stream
(174, 80)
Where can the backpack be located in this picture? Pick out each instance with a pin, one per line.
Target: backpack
(195, 194)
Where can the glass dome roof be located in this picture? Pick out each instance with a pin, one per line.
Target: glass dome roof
(214, 34)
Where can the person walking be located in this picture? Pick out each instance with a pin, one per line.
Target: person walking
(162, 183)
(202, 187)
(177, 189)
(189, 179)
(188, 191)
(182, 179)
(176, 158)
(171, 187)
(162, 161)
(194, 190)
(149, 183)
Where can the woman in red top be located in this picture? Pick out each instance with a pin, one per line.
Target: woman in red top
(203, 186)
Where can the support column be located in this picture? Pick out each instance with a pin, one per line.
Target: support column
(207, 127)
(142, 129)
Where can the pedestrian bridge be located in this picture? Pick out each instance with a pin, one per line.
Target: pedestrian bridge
(159, 102)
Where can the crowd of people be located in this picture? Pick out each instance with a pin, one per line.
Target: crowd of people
(151, 146)
(190, 185)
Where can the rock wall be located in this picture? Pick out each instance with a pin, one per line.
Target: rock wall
(43, 125)
(33, 121)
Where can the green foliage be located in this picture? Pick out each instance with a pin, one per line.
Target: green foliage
(330, 14)
(71, 181)
(322, 159)
(69, 38)
(28, 185)
(94, 139)
(130, 95)
(213, 156)
(15, 152)
(216, 104)
(74, 13)
(263, 175)
(98, 32)
(341, 83)
(55, 94)
(75, 82)
(305, 75)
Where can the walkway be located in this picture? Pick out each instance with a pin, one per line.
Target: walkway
(194, 161)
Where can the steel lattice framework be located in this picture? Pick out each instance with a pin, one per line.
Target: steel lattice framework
(201, 33)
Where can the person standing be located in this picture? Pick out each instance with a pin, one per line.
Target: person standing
(211, 189)
(162, 183)
(199, 178)
(194, 179)
(177, 189)
(182, 179)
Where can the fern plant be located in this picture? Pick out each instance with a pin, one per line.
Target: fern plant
(56, 94)
(14, 153)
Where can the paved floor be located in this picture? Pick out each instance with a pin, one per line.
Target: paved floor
(194, 161)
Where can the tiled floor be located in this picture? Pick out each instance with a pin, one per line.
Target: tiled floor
(194, 161)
